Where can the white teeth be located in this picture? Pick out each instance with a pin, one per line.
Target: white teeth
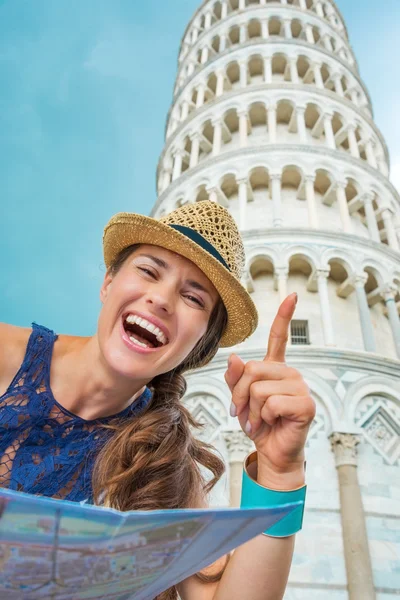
(135, 341)
(132, 319)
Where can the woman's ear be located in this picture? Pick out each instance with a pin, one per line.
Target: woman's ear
(105, 286)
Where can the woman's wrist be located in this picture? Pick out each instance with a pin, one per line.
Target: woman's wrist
(291, 478)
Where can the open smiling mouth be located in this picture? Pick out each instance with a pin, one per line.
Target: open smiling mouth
(143, 333)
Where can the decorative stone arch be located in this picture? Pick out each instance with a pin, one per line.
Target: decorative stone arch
(341, 258)
(301, 254)
(373, 405)
(208, 400)
(255, 67)
(292, 179)
(279, 65)
(328, 404)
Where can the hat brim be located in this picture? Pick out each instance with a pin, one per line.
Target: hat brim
(126, 229)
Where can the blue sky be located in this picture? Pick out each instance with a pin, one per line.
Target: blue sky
(86, 86)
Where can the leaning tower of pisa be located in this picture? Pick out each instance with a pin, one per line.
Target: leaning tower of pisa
(271, 119)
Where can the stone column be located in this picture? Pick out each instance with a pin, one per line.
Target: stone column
(294, 74)
(328, 43)
(371, 219)
(328, 129)
(224, 9)
(268, 69)
(287, 29)
(325, 307)
(369, 151)
(276, 182)
(319, 82)
(388, 217)
(212, 194)
(243, 73)
(303, 4)
(242, 33)
(242, 183)
(185, 110)
(343, 207)
(194, 155)
(222, 42)
(220, 83)
(238, 446)
(281, 277)
(242, 4)
(272, 123)
(338, 84)
(195, 34)
(264, 29)
(243, 128)
(389, 295)
(310, 197)
(355, 540)
(354, 149)
(309, 34)
(217, 139)
(204, 55)
(178, 159)
(319, 9)
(167, 174)
(201, 91)
(301, 123)
(363, 310)
(207, 22)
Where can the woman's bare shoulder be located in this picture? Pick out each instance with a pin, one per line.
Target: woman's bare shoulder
(13, 342)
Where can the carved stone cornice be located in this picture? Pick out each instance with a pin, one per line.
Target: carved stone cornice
(237, 444)
(344, 447)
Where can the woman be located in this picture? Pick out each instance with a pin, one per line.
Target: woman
(101, 419)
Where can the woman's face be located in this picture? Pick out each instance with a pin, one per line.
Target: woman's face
(155, 310)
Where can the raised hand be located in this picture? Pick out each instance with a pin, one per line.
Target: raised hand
(274, 406)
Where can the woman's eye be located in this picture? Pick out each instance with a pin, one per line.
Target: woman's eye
(147, 271)
(194, 299)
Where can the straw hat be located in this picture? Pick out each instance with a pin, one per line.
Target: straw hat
(206, 234)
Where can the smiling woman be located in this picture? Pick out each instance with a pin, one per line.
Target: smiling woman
(101, 419)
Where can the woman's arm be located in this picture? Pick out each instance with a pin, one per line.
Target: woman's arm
(13, 341)
(258, 570)
(275, 410)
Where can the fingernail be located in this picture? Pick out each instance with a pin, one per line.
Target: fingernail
(248, 428)
(229, 361)
(233, 410)
(296, 297)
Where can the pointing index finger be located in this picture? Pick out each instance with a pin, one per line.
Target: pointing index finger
(279, 333)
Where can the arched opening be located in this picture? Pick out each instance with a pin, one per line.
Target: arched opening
(258, 121)
(275, 27)
(254, 29)
(291, 182)
(201, 193)
(217, 10)
(279, 63)
(312, 120)
(212, 84)
(296, 27)
(233, 74)
(234, 35)
(286, 120)
(256, 68)
(215, 44)
(304, 70)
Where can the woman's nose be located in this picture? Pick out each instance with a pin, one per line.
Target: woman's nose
(161, 300)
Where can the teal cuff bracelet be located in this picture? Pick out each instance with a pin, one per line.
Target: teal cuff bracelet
(255, 495)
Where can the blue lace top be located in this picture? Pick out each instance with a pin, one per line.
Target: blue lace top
(44, 448)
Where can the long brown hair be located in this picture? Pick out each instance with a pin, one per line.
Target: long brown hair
(154, 461)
